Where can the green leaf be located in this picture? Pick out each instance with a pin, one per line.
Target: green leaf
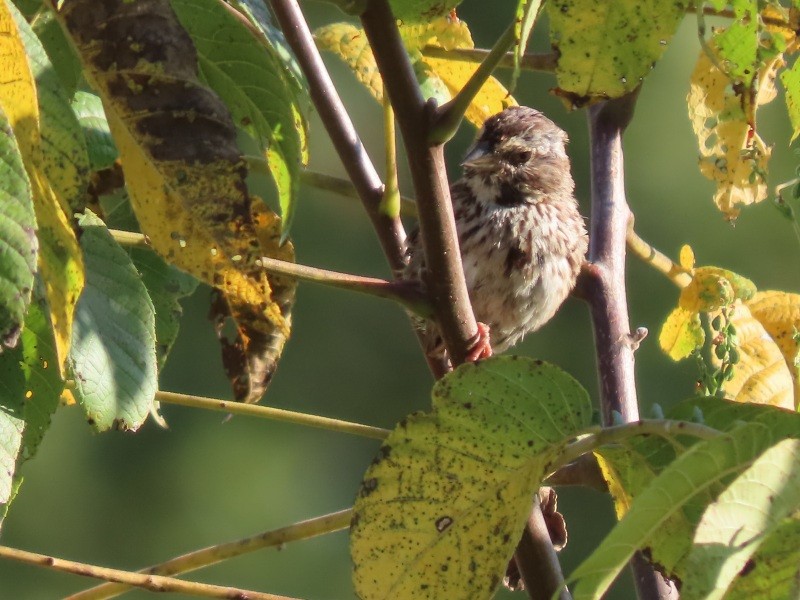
(30, 386)
(459, 480)
(773, 572)
(113, 358)
(253, 85)
(62, 55)
(18, 243)
(727, 414)
(166, 285)
(699, 469)
(524, 20)
(790, 78)
(65, 160)
(737, 44)
(99, 141)
(419, 11)
(735, 525)
(606, 48)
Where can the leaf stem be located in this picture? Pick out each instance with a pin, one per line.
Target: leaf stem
(407, 293)
(449, 116)
(343, 187)
(274, 414)
(215, 554)
(545, 62)
(656, 259)
(154, 583)
(390, 203)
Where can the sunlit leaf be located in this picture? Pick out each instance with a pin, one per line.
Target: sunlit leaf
(252, 84)
(714, 287)
(736, 524)
(59, 255)
(704, 465)
(606, 48)
(779, 314)
(761, 374)
(790, 78)
(731, 153)
(461, 476)
(350, 44)
(726, 415)
(421, 11)
(183, 169)
(681, 334)
(524, 20)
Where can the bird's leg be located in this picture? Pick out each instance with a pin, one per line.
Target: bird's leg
(480, 346)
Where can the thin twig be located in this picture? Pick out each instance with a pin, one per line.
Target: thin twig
(449, 116)
(407, 293)
(603, 284)
(215, 554)
(341, 131)
(154, 583)
(274, 414)
(545, 62)
(343, 187)
(444, 276)
(656, 259)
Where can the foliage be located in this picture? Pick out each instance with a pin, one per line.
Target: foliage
(128, 133)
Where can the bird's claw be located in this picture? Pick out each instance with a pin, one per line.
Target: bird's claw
(480, 345)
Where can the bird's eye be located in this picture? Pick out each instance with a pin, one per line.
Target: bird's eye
(518, 156)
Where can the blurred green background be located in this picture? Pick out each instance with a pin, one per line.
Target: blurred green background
(127, 501)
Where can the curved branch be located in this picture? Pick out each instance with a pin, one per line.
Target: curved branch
(545, 63)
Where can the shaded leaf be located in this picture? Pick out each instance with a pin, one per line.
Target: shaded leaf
(681, 334)
(461, 477)
(779, 314)
(421, 11)
(177, 143)
(62, 55)
(605, 49)
(727, 414)
(704, 465)
(524, 20)
(761, 374)
(99, 141)
(59, 255)
(253, 86)
(18, 243)
(736, 524)
(113, 358)
(790, 78)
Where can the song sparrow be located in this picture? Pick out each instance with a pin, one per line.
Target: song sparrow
(522, 238)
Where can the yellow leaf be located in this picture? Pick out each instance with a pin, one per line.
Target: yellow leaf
(779, 314)
(681, 334)
(761, 376)
(183, 170)
(350, 44)
(59, 255)
(445, 32)
(714, 287)
(490, 100)
(687, 257)
(731, 153)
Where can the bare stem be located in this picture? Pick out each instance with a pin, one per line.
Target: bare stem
(530, 62)
(390, 203)
(603, 286)
(154, 583)
(343, 187)
(215, 554)
(340, 129)
(449, 116)
(656, 259)
(274, 414)
(444, 277)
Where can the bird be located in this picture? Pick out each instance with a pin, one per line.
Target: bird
(521, 235)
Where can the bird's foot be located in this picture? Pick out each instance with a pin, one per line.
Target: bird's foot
(480, 346)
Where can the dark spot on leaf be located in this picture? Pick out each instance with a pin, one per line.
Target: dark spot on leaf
(443, 523)
(747, 568)
(369, 486)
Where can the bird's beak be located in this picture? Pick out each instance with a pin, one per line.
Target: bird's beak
(479, 154)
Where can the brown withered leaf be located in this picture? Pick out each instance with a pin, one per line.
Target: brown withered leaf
(183, 169)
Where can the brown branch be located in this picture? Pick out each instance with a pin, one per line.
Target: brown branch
(444, 277)
(604, 288)
(340, 128)
(537, 561)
